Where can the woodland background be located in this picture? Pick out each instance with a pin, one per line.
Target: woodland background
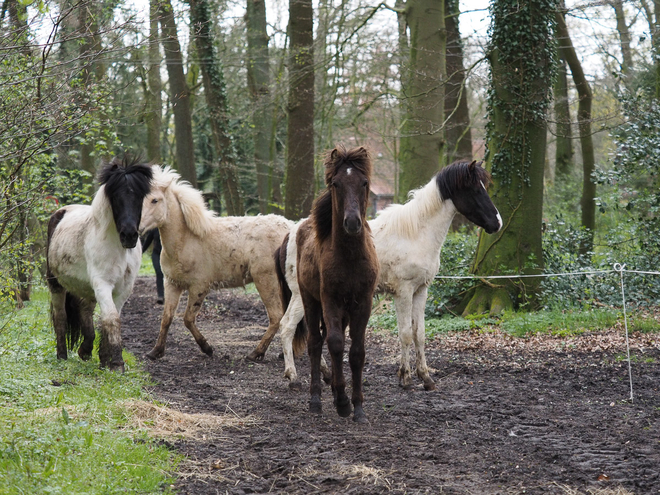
(243, 98)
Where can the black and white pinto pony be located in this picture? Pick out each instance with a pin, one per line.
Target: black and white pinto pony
(93, 256)
(408, 239)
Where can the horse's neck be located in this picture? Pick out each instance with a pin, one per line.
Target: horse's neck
(352, 246)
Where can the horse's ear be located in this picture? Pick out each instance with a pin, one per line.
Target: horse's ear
(473, 165)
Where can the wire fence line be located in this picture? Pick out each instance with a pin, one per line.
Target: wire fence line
(616, 268)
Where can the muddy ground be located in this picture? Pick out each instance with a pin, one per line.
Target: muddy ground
(509, 416)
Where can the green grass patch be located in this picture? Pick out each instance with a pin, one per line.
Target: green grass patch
(558, 322)
(62, 425)
(146, 267)
(643, 324)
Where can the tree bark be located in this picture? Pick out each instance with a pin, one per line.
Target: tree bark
(179, 95)
(153, 117)
(299, 188)
(216, 100)
(518, 101)
(423, 97)
(587, 201)
(258, 75)
(624, 37)
(458, 134)
(564, 149)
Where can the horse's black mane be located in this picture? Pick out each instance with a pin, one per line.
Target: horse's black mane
(461, 175)
(127, 172)
(357, 158)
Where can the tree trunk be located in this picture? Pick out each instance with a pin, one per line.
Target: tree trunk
(179, 95)
(216, 100)
(423, 97)
(517, 105)
(587, 202)
(258, 75)
(624, 37)
(153, 117)
(564, 148)
(458, 134)
(299, 188)
(656, 45)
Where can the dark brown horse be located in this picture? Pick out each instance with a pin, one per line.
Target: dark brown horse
(337, 275)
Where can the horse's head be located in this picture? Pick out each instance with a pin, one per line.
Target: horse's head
(464, 183)
(126, 183)
(347, 174)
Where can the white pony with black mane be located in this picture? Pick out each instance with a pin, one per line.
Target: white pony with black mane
(93, 257)
(408, 240)
(201, 251)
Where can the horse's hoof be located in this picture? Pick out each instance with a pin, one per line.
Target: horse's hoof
(155, 354)
(256, 356)
(429, 385)
(280, 356)
(315, 405)
(85, 356)
(359, 417)
(327, 379)
(208, 350)
(116, 367)
(295, 385)
(62, 356)
(344, 408)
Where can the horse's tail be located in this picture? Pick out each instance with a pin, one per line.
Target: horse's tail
(300, 337)
(73, 321)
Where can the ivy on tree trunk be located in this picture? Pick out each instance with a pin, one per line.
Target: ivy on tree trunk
(522, 67)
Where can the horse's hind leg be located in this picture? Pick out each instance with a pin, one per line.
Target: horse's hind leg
(87, 313)
(58, 315)
(195, 300)
(269, 290)
(314, 348)
(419, 335)
(172, 296)
(289, 322)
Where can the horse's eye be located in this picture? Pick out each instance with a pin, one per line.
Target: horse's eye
(366, 183)
(154, 201)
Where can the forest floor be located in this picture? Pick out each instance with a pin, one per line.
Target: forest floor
(510, 415)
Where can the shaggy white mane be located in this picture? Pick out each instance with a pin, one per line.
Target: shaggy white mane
(407, 219)
(101, 209)
(197, 216)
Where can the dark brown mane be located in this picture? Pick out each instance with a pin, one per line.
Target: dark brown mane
(335, 160)
(461, 175)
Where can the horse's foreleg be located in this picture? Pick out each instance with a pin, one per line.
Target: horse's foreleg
(294, 314)
(314, 348)
(172, 296)
(110, 346)
(87, 316)
(269, 290)
(335, 340)
(419, 336)
(58, 315)
(195, 300)
(356, 357)
(403, 305)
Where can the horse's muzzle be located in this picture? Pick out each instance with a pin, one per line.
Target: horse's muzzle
(128, 241)
(352, 225)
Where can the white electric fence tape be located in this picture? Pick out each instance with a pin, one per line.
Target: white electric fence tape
(617, 268)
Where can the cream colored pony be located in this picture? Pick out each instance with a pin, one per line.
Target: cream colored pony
(202, 252)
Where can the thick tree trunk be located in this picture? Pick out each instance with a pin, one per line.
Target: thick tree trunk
(299, 191)
(216, 100)
(564, 149)
(423, 97)
(179, 95)
(458, 134)
(518, 103)
(587, 202)
(153, 117)
(259, 83)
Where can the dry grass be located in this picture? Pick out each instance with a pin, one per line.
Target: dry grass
(165, 422)
(595, 491)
